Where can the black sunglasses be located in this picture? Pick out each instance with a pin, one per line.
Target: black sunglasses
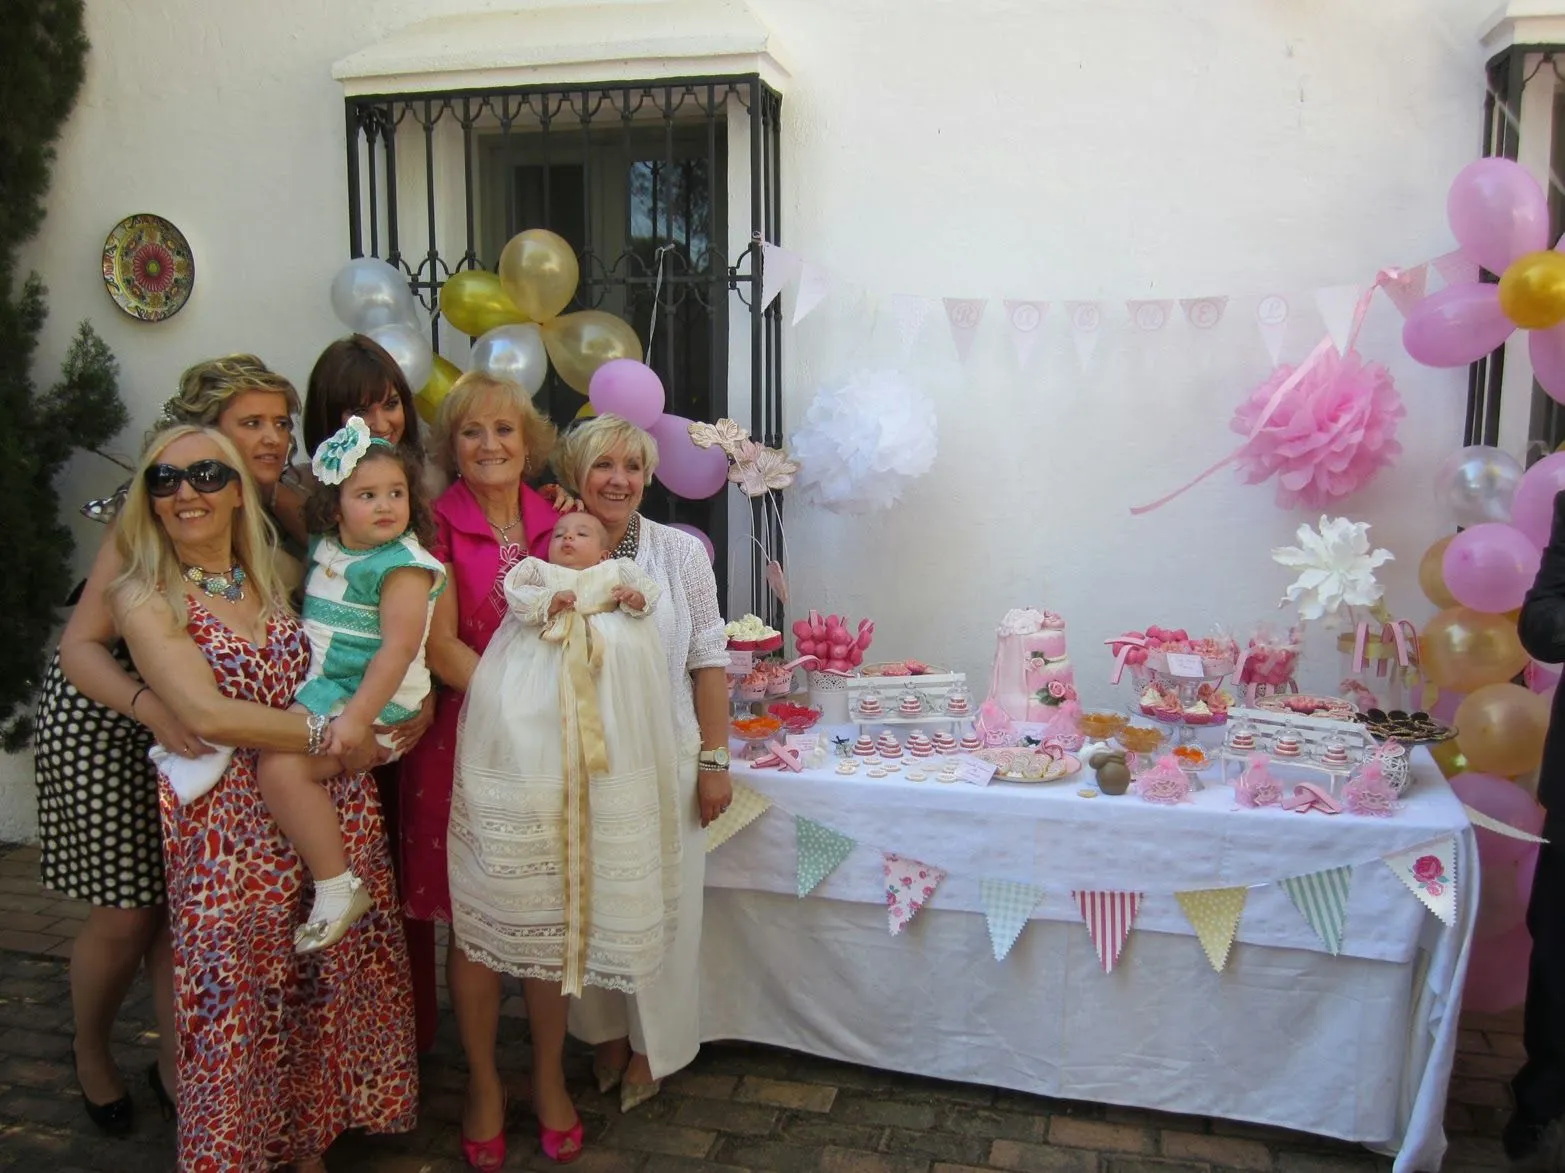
(205, 476)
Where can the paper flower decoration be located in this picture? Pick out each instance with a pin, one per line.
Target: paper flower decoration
(755, 468)
(860, 445)
(1328, 437)
(338, 453)
(1336, 565)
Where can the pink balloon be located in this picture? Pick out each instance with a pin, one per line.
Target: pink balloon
(687, 471)
(1547, 351)
(1505, 802)
(1500, 907)
(625, 387)
(1490, 567)
(1497, 212)
(1456, 326)
(1526, 870)
(1532, 508)
(1497, 972)
(1540, 678)
(706, 542)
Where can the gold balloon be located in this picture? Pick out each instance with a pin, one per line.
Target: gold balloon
(538, 271)
(587, 412)
(441, 376)
(1449, 757)
(1463, 650)
(475, 304)
(580, 343)
(1502, 727)
(1532, 290)
(1431, 575)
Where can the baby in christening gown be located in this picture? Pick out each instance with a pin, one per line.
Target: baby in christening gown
(564, 849)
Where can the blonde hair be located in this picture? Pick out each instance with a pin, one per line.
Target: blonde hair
(462, 400)
(206, 389)
(585, 443)
(150, 566)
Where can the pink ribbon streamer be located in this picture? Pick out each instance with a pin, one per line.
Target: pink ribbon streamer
(1281, 394)
(1120, 645)
(1307, 796)
(1401, 632)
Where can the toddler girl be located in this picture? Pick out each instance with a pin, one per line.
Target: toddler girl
(367, 601)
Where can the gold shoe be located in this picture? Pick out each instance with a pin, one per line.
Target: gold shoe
(633, 1095)
(608, 1078)
(315, 935)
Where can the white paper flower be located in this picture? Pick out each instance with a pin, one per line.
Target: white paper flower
(861, 444)
(1336, 565)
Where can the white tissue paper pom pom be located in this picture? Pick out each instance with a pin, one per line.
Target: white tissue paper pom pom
(861, 444)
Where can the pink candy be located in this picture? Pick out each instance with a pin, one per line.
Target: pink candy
(830, 640)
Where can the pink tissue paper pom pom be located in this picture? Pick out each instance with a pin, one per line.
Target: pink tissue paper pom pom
(1329, 436)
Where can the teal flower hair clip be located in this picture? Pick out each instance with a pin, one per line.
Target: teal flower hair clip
(337, 456)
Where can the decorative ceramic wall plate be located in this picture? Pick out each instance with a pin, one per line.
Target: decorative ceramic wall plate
(148, 268)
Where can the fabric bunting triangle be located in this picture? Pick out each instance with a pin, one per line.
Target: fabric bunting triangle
(963, 314)
(1025, 318)
(814, 284)
(1322, 899)
(909, 886)
(1429, 871)
(908, 312)
(1214, 914)
(1108, 917)
(744, 808)
(820, 851)
(1007, 908)
(779, 269)
(1478, 819)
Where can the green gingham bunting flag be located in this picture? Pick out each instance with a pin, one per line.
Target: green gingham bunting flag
(1007, 907)
(1322, 899)
(820, 851)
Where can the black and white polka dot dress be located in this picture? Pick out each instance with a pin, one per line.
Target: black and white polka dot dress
(97, 798)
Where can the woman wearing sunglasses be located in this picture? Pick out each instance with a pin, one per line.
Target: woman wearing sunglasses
(97, 790)
(277, 1055)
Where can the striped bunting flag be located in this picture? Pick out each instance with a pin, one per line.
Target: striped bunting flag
(1322, 899)
(1108, 917)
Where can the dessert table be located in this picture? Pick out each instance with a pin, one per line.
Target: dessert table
(1358, 1045)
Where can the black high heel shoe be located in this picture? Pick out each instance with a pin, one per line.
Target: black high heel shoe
(159, 1092)
(114, 1118)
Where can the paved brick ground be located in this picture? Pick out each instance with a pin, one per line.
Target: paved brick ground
(738, 1107)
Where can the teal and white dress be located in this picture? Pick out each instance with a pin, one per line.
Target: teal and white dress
(342, 620)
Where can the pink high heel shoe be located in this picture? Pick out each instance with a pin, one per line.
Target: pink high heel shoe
(560, 1147)
(488, 1154)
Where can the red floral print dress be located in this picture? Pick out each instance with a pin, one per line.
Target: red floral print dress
(278, 1053)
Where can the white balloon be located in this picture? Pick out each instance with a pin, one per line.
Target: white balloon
(368, 293)
(410, 348)
(1476, 484)
(514, 353)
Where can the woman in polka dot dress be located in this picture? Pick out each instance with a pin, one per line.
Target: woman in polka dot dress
(97, 790)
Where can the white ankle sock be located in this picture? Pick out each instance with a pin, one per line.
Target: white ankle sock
(333, 896)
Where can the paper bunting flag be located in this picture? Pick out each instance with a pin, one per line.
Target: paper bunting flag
(1108, 917)
(1406, 289)
(1455, 269)
(909, 886)
(1026, 321)
(1271, 316)
(1007, 907)
(964, 314)
(1336, 305)
(1478, 819)
(814, 285)
(1204, 312)
(908, 312)
(820, 851)
(1214, 914)
(779, 269)
(744, 808)
(1429, 871)
(1148, 316)
(1086, 319)
(1322, 899)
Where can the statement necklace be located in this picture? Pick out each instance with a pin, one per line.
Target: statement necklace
(631, 542)
(230, 583)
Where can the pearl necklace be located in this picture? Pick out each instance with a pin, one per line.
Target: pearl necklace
(631, 542)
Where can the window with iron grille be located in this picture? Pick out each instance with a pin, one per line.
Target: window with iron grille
(664, 188)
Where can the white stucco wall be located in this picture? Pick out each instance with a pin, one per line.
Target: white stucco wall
(991, 148)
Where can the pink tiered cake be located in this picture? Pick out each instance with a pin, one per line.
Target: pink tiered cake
(943, 743)
(1032, 674)
(919, 745)
(888, 746)
(864, 747)
(971, 743)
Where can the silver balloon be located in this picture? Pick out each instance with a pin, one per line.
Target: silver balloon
(514, 353)
(1476, 484)
(411, 350)
(368, 293)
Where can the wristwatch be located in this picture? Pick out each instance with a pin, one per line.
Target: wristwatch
(713, 759)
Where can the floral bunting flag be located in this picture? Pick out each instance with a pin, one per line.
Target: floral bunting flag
(820, 850)
(814, 284)
(1429, 871)
(1086, 319)
(1204, 312)
(908, 312)
(1214, 914)
(1108, 917)
(909, 886)
(1007, 907)
(1026, 321)
(1322, 899)
(779, 269)
(964, 314)
(746, 805)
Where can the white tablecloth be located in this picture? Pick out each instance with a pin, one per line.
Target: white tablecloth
(1357, 1046)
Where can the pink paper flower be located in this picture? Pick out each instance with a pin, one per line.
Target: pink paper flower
(1329, 436)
